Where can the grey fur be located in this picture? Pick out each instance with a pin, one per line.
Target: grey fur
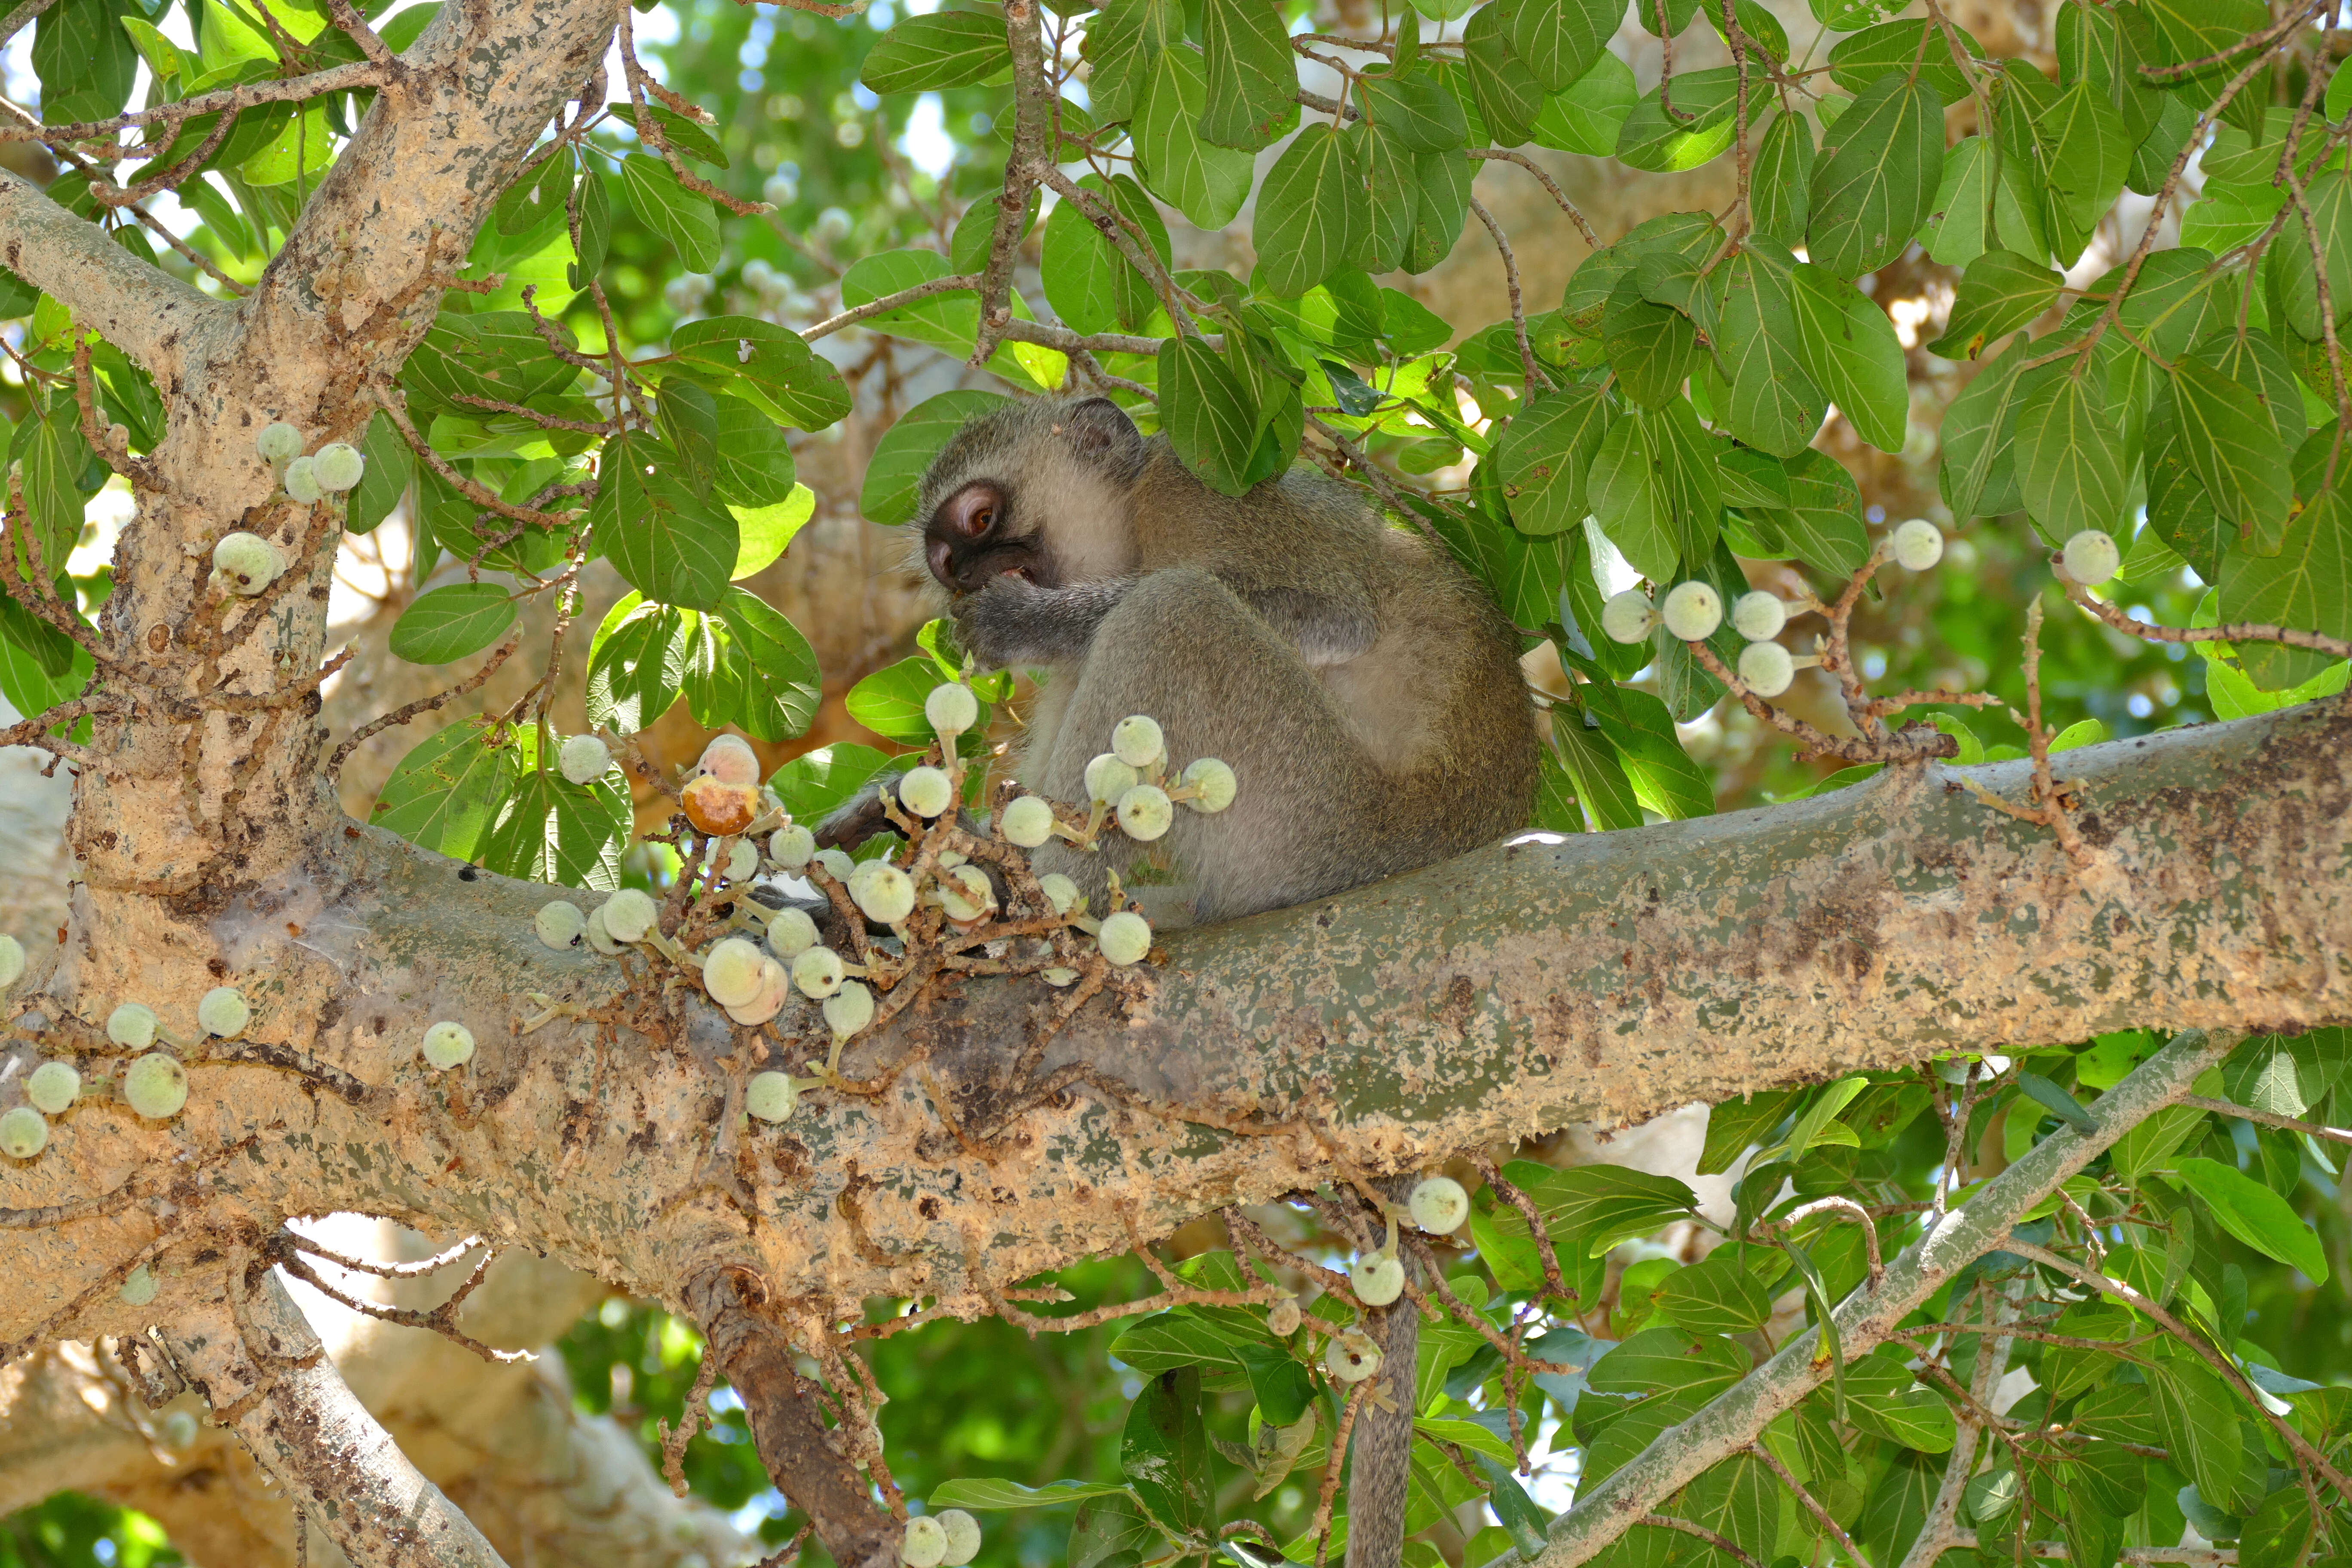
(1365, 691)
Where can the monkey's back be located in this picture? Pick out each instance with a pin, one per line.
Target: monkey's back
(1438, 699)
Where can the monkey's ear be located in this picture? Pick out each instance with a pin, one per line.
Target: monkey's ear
(1099, 428)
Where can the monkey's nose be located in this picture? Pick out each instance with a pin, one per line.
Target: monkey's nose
(938, 555)
(973, 511)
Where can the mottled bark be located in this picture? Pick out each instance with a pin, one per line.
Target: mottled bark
(1597, 978)
(262, 1368)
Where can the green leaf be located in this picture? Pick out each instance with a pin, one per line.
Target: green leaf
(1850, 350)
(1630, 498)
(390, 466)
(1113, 1532)
(1779, 189)
(1507, 94)
(2094, 47)
(1561, 40)
(1592, 763)
(890, 700)
(1999, 292)
(746, 665)
(1312, 210)
(1416, 111)
(1079, 267)
(1587, 115)
(448, 623)
(2281, 1532)
(1664, 777)
(2070, 457)
(687, 418)
(1883, 1400)
(1388, 168)
(539, 199)
(765, 533)
(447, 790)
(1653, 141)
(669, 543)
(2086, 154)
(2196, 1414)
(2229, 440)
(1284, 1391)
(1891, 48)
(1881, 165)
(636, 663)
(1823, 524)
(552, 830)
(1719, 1295)
(497, 355)
(681, 216)
(1207, 184)
(753, 465)
(1774, 404)
(1979, 475)
(85, 63)
(1960, 228)
(894, 474)
(1669, 1361)
(596, 229)
(935, 52)
(765, 364)
(1545, 455)
(1253, 81)
(1208, 413)
(1441, 205)
(690, 137)
(1650, 346)
(1740, 1499)
(2255, 1215)
(988, 1492)
(54, 457)
(2054, 1099)
(1518, 1511)
(1164, 1453)
(815, 783)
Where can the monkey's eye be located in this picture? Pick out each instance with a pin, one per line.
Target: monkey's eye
(972, 512)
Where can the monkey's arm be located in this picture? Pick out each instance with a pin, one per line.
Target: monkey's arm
(1012, 622)
(1327, 630)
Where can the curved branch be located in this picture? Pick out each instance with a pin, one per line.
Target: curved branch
(1602, 977)
(139, 308)
(266, 1375)
(1868, 1317)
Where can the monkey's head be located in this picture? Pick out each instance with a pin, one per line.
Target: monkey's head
(1038, 487)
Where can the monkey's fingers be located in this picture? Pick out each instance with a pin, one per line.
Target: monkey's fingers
(858, 819)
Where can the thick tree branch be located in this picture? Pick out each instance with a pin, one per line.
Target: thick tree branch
(811, 1466)
(1602, 977)
(142, 310)
(267, 1376)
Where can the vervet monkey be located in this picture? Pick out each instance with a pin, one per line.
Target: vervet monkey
(1365, 691)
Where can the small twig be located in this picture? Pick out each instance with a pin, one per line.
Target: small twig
(1534, 372)
(1721, 1543)
(442, 1320)
(2295, 1441)
(1509, 155)
(407, 710)
(2270, 1119)
(696, 1414)
(417, 1270)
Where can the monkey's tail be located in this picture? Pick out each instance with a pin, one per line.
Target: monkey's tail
(1380, 1445)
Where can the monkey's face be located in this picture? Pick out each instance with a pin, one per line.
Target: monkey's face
(970, 537)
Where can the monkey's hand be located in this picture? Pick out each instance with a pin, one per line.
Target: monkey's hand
(1012, 621)
(859, 817)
